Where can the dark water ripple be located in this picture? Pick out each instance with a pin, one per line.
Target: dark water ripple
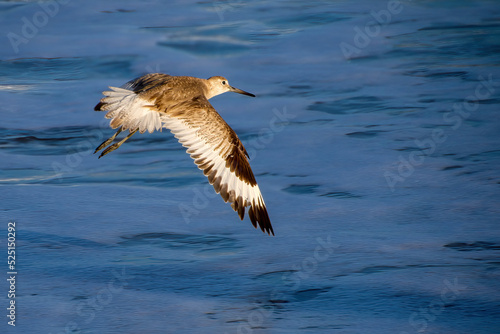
(47, 70)
(474, 246)
(357, 104)
(200, 243)
(364, 134)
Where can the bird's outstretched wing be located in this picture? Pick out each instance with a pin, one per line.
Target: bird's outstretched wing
(210, 141)
(218, 151)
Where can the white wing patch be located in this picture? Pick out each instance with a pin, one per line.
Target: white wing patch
(130, 111)
(232, 189)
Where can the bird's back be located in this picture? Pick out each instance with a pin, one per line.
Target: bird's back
(167, 90)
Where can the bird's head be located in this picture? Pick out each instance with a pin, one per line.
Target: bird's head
(218, 85)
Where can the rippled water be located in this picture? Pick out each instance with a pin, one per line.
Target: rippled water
(374, 138)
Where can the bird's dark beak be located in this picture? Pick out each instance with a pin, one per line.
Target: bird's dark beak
(239, 91)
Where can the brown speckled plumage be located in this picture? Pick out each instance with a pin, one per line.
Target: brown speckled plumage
(181, 104)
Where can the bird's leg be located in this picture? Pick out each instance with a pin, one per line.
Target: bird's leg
(116, 145)
(107, 141)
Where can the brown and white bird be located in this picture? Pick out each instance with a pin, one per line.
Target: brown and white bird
(180, 104)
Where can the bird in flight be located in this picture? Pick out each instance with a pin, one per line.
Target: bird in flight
(180, 104)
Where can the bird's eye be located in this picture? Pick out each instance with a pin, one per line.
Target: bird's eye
(223, 82)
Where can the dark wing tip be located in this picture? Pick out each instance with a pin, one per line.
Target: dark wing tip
(99, 106)
(258, 215)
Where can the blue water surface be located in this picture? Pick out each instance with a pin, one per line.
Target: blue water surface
(374, 138)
